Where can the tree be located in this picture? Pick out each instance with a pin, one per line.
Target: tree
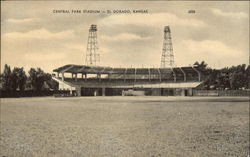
(223, 80)
(202, 67)
(238, 76)
(50, 82)
(213, 79)
(37, 78)
(14, 79)
(1, 81)
(247, 82)
(6, 78)
(19, 77)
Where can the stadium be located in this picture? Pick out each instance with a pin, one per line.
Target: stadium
(96, 81)
(92, 80)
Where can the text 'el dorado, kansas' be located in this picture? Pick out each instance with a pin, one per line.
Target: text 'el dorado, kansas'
(114, 11)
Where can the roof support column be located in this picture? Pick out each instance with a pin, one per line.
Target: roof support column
(103, 91)
(110, 74)
(135, 74)
(78, 91)
(185, 77)
(174, 74)
(62, 76)
(125, 75)
(109, 77)
(199, 74)
(149, 75)
(67, 69)
(99, 77)
(159, 74)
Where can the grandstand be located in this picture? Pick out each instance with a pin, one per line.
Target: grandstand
(98, 80)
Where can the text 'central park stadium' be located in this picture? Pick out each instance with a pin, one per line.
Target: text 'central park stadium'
(93, 80)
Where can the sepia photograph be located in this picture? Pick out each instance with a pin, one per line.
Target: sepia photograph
(124, 79)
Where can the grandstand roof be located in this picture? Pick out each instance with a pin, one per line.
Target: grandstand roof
(109, 70)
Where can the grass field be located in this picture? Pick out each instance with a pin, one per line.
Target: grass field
(125, 127)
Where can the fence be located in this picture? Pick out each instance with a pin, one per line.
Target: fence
(28, 93)
(221, 92)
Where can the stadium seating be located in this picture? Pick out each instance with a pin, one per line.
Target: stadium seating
(179, 74)
(166, 74)
(142, 74)
(130, 71)
(191, 74)
(107, 70)
(154, 74)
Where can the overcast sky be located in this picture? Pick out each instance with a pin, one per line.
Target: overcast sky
(33, 36)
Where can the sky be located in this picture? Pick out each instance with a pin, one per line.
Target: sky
(32, 35)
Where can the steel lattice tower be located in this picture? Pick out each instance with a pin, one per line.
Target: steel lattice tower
(167, 58)
(92, 55)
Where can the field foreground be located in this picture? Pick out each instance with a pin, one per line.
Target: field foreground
(125, 127)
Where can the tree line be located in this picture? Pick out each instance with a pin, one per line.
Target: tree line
(233, 78)
(16, 79)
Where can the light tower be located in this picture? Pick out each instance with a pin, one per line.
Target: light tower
(92, 55)
(167, 57)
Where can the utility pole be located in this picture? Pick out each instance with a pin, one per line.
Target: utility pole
(167, 58)
(92, 55)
